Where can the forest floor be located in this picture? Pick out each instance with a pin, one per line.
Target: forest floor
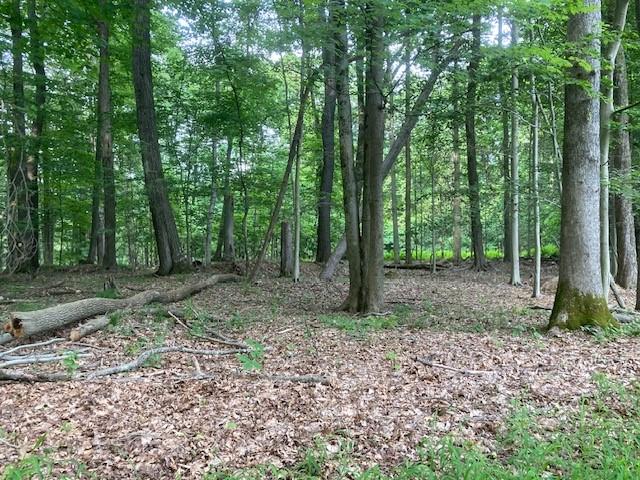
(181, 418)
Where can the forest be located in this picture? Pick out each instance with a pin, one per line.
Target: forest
(309, 239)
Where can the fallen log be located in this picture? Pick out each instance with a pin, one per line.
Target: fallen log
(416, 266)
(26, 324)
(88, 328)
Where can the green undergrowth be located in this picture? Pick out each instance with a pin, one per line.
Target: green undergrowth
(361, 325)
(598, 440)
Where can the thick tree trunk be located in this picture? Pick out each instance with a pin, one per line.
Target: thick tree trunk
(626, 273)
(164, 224)
(21, 173)
(37, 60)
(323, 249)
(27, 324)
(373, 174)
(228, 246)
(515, 175)
(609, 53)
(286, 250)
(349, 181)
(580, 298)
(105, 140)
(479, 261)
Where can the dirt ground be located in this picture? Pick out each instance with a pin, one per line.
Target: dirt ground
(181, 416)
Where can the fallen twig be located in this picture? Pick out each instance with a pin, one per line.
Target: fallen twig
(216, 337)
(452, 369)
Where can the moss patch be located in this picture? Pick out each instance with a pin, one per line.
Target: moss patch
(573, 309)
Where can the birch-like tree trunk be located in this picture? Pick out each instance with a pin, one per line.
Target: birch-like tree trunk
(535, 172)
(515, 175)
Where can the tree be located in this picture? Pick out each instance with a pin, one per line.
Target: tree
(515, 175)
(323, 248)
(164, 225)
(105, 140)
(609, 52)
(479, 261)
(21, 169)
(373, 173)
(579, 297)
(624, 226)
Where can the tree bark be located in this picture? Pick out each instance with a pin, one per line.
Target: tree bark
(479, 261)
(37, 60)
(166, 233)
(455, 157)
(506, 160)
(213, 197)
(626, 273)
(609, 53)
(323, 249)
(286, 250)
(515, 175)
(373, 173)
(580, 298)
(535, 167)
(21, 169)
(105, 140)
(349, 181)
(407, 159)
(394, 217)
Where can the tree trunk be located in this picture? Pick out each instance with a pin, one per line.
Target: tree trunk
(394, 217)
(407, 159)
(323, 250)
(213, 196)
(373, 173)
(228, 246)
(479, 261)
(625, 234)
(37, 60)
(535, 167)
(580, 298)
(296, 184)
(392, 154)
(21, 173)
(506, 160)
(286, 250)
(164, 224)
(455, 157)
(609, 53)
(349, 180)
(105, 140)
(515, 175)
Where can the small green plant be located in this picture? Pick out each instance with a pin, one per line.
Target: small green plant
(252, 360)
(392, 357)
(108, 293)
(70, 362)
